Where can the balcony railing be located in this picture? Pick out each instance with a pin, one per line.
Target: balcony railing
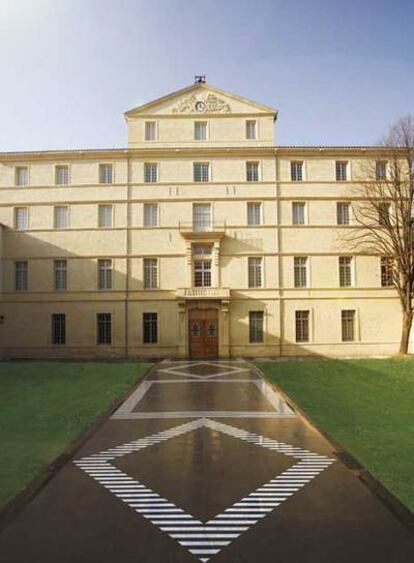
(201, 227)
(203, 293)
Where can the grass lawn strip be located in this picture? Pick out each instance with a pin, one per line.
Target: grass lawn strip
(365, 405)
(45, 405)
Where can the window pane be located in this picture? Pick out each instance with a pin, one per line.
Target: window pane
(296, 171)
(381, 169)
(342, 213)
(150, 328)
(21, 218)
(300, 271)
(341, 168)
(105, 216)
(251, 129)
(252, 171)
(302, 326)
(104, 328)
(202, 217)
(22, 176)
(150, 172)
(255, 272)
(150, 214)
(20, 275)
(61, 217)
(387, 271)
(60, 274)
(105, 173)
(61, 175)
(345, 271)
(254, 213)
(150, 273)
(105, 274)
(348, 325)
(201, 172)
(150, 131)
(58, 328)
(202, 273)
(298, 213)
(256, 326)
(200, 130)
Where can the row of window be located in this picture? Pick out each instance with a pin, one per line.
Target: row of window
(202, 269)
(150, 327)
(202, 215)
(200, 131)
(201, 172)
(104, 328)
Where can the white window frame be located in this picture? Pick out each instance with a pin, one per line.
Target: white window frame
(16, 220)
(157, 273)
(155, 131)
(105, 286)
(261, 262)
(55, 226)
(256, 163)
(348, 204)
(202, 163)
(305, 213)
(16, 175)
(306, 268)
(100, 167)
(57, 167)
(352, 271)
(310, 326)
(145, 206)
(386, 165)
(150, 167)
(201, 121)
(100, 207)
(250, 205)
(295, 162)
(255, 137)
(347, 169)
(203, 226)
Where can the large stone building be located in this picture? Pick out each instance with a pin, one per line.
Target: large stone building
(201, 238)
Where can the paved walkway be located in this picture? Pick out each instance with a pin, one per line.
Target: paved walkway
(204, 462)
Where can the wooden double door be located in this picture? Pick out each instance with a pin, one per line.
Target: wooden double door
(203, 333)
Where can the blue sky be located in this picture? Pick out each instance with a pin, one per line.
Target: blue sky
(338, 72)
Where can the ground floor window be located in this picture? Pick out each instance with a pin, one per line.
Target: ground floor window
(348, 325)
(58, 328)
(104, 328)
(255, 326)
(150, 328)
(302, 326)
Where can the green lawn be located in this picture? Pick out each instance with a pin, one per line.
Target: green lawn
(44, 406)
(365, 405)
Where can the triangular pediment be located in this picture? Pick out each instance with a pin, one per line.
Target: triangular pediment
(199, 99)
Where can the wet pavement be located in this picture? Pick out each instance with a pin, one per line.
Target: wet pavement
(205, 462)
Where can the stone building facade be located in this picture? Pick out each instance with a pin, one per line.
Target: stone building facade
(201, 238)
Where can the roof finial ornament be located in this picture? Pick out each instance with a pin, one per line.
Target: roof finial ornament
(200, 79)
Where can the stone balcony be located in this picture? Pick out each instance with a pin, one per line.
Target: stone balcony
(207, 230)
(218, 293)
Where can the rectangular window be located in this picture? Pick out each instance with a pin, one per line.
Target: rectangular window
(105, 173)
(381, 170)
(58, 328)
(298, 212)
(296, 171)
(254, 213)
(387, 271)
(150, 172)
(255, 326)
(348, 325)
(60, 274)
(202, 250)
(255, 272)
(62, 175)
(341, 170)
(60, 217)
(150, 131)
(202, 217)
(105, 273)
(302, 326)
(384, 214)
(150, 273)
(251, 129)
(105, 213)
(345, 271)
(150, 328)
(201, 171)
(150, 214)
(21, 275)
(300, 266)
(252, 171)
(21, 218)
(202, 273)
(104, 328)
(343, 213)
(200, 130)
(21, 177)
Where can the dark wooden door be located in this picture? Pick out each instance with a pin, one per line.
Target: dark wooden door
(203, 333)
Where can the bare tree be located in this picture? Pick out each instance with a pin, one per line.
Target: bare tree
(383, 212)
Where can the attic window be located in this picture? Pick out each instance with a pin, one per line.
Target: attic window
(251, 129)
(150, 131)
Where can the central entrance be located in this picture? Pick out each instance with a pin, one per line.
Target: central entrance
(203, 333)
